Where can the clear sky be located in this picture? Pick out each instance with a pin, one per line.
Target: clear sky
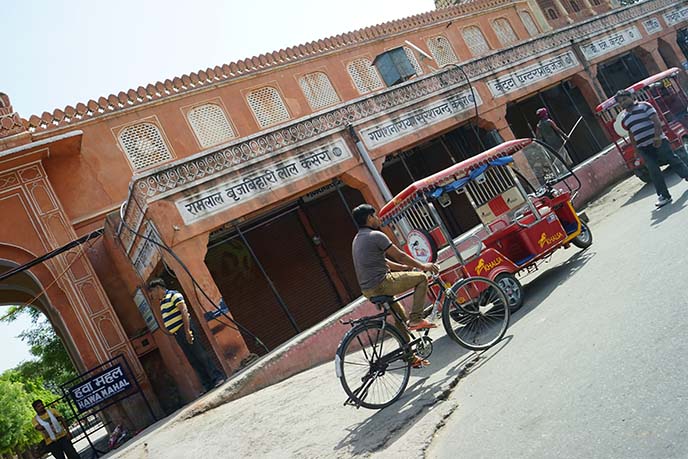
(59, 52)
(13, 349)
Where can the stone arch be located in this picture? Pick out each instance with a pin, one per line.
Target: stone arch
(671, 59)
(53, 303)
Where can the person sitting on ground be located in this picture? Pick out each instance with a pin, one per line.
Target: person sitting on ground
(52, 425)
(378, 275)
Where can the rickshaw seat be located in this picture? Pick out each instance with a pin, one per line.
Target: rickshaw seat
(380, 299)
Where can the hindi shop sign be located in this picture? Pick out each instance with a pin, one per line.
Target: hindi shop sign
(610, 43)
(100, 388)
(526, 76)
(415, 120)
(652, 25)
(674, 17)
(261, 180)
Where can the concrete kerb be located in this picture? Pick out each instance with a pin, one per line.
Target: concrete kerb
(318, 344)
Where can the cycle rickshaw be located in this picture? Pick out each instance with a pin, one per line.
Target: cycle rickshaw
(524, 219)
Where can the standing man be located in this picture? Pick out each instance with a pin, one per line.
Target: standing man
(176, 319)
(648, 140)
(547, 131)
(53, 427)
(377, 275)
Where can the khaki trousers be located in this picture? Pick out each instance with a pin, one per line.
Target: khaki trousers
(400, 282)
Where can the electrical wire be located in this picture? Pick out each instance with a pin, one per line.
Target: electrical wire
(44, 290)
(197, 287)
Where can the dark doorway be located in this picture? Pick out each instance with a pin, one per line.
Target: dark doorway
(620, 73)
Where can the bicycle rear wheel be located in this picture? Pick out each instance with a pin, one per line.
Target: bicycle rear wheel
(477, 314)
(373, 364)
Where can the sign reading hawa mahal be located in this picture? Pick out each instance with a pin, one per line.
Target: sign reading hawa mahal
(235, 184)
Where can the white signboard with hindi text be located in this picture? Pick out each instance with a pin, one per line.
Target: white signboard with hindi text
(260, 180)
(652, 25)
(610, 43)
(526, 76)
(676, 16)
(412, 121)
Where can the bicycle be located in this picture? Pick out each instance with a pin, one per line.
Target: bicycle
(373, 361)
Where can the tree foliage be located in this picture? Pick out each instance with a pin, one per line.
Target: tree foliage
(16, 431)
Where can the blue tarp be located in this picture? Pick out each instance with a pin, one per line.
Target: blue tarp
(437, 192)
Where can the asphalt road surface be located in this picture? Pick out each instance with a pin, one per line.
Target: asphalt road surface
(592, 366)
(596, 363)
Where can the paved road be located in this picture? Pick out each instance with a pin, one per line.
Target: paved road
(597, 366)
(593, 366)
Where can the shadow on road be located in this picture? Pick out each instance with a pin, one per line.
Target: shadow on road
(659, 215)
(649, 190)
(385, 426)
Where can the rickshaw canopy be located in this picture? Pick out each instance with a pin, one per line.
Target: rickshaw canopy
(454, 177)
(672, 72)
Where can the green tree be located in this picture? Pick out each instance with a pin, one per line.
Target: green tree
(16, 431)
(52, 364)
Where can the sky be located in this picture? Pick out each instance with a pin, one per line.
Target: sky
(59, 53)
(13, 349)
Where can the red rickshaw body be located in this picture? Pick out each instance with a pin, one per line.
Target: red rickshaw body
(504, 243)
(665, 94)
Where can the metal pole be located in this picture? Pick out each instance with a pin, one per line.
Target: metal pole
(377, 177)
(267, 278)
(443, 227)
(337, 185)
(403, 161)
(94, 452)
(573, 102)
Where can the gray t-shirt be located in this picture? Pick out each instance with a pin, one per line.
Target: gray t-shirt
(368, 250)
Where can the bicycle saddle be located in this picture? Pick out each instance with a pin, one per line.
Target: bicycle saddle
(379, 299)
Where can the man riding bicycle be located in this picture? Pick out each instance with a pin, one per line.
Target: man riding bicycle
(377, 275)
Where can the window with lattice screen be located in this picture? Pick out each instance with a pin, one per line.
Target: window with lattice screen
(268, 106)
(144, 146)
(505, 33)
(414, 62)
(318, 90)
(441, 51)
(364, 75)
(475, 40)
(210, 125)
(529, 23)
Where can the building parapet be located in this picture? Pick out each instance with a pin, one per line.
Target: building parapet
(174, 177)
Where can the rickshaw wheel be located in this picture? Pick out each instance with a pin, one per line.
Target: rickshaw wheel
(512, 289)
(584, 239)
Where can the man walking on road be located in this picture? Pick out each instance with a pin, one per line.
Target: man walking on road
(648, 140)
(378, 275)
(176, 319)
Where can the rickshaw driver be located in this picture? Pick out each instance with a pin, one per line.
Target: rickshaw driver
(377, 275)
(648, 140)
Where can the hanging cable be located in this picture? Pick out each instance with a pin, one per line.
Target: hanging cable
(169, 250)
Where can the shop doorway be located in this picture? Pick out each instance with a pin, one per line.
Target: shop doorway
(285, 271)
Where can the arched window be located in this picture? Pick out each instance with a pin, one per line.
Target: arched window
(144, 146)
(552, 13)
(268, 107)
(475, 40)
(505, 33)
(364, 75)
(414, 62)
(318, 90)
(210, 125)
(574, 6)
(441, 51)
(529, 23)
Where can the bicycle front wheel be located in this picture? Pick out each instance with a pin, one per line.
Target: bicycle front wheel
(476, 314)
(373, 364)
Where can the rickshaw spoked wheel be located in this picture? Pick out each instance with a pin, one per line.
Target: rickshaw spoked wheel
(512, 289)
(584, 239)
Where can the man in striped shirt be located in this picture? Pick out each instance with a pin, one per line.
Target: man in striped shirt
(177, 322)
(648, 140)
